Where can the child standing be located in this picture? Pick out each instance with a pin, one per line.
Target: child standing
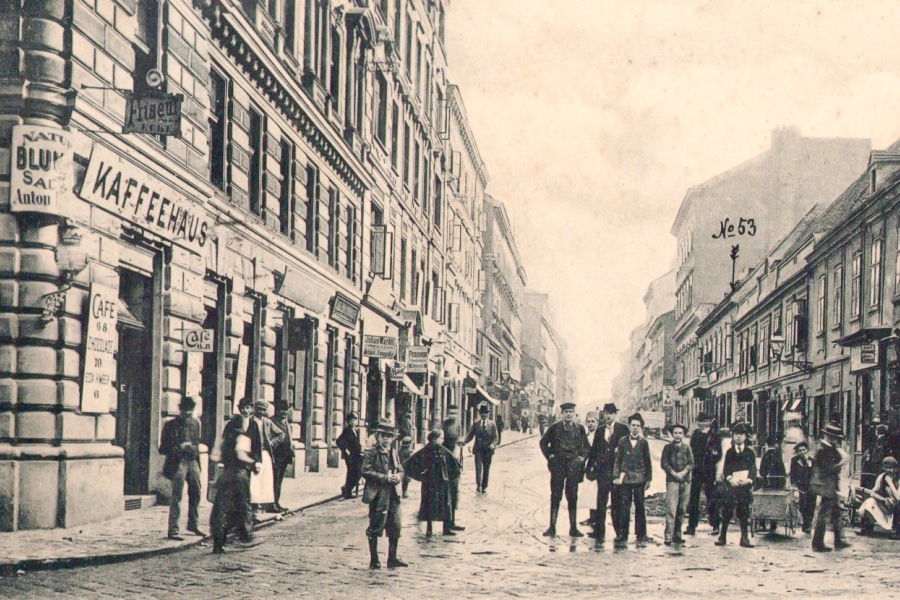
(677, 462)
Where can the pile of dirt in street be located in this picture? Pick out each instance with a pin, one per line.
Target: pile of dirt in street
(655, 505)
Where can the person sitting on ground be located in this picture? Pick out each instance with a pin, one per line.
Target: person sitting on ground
(435, 467)
(882, 506)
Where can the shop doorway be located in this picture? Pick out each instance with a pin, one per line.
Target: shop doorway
(209, 381)
(133, 407)
(301, 361)
(374, 386)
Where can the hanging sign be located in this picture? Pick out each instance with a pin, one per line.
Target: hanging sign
(153, 112)
(41, 170)
(198, 340)
(380, 346)
(417, 359)
(344, 310)
(397, 372)
(98, 393)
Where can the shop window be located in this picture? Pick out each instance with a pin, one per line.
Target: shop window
(301, 363)
(256, 161)
(330, 373)
(218, 127)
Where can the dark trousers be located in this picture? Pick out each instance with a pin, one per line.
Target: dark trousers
(737, 501)
(694, 501)
(606, 491)
(632, 492)
(828, 510)
(712, 501)
(354, 472)
(454, 498)
(279, 469)
(483, 457)
(188, 472)
(232, 506)
(807, 509)
(384, 515)
(560, 482)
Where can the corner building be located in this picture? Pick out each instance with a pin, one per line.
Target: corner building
(310, 147)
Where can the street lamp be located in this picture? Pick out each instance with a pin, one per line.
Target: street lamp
(776, 347)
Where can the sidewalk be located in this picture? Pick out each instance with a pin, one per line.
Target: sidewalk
(142, 533)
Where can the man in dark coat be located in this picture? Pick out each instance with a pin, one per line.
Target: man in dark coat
(739, 473)
(484, 432)
(801, 475)
(283, 451)
(711, 485)
(699, 441)
(824, 484)
(451, 442)
(565, 446)
(500, 426)
(383, 473)
(180, 444)
(633, 473)
(602, 459)
(435, 467)
(351, 451)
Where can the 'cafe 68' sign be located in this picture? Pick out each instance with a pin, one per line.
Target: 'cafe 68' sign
(98, 392)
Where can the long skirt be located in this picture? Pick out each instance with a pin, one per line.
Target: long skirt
(435, 502)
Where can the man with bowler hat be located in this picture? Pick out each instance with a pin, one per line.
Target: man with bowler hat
(824, 484)
(486, 437)
(603, 455)
(739, 473)
(180, 444)
(351, 450)
(633, 473)
(565, 446)
(383, 473)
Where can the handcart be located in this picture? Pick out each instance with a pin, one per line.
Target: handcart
(775, 505)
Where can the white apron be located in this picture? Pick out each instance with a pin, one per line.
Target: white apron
(262, 484)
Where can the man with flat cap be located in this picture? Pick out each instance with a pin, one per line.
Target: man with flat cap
(739, 473)
(565, 446)
(633, 473)
(486, 437)
(825, 482)
(602, 459)
(180, 444)
(383, 473)
(350, 446)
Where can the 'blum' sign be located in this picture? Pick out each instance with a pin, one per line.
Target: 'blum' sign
(120, 187)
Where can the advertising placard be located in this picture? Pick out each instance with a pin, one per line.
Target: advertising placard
(153, 112)
(380, 346)
(98, 391)
(417, 359)
(198, 340)
(41, 170)
(344, 310)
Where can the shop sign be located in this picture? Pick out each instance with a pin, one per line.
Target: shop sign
(397, 372)
(344, 310)
(122, 188)
(41, 168)
(864, 356)
(417, 359)
(101, 342)
(153, 112)
(380, 346)
(198, 340)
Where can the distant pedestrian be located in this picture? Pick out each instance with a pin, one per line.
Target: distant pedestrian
(435, 467)
(241, 455)
(451, 442)
(739, 472)
(499, 429)
(484, 432)
(633, 474)
(678, 463)
(882, 505)
(383, 473)
(180, 444)
(699, 445)
(405, 451)
(282, 449)
(565, 446)
(350, 446)
(825, 483)
(801, 474)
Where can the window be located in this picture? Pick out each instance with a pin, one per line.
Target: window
(837, 306)
(406, 154)
(789, 328)
(334, 221)
(334, 75)
(146, 44)
(352, 233)
(218, 126)
(256, 166)
(312, 209)
(855, 281)
(403, 269)
(764, 342)
(418, 67)
(395, 137)
(438, 203)
(381, 125)
(820, 306)
(290, 25)
(414, 280)
(409, 47)
(287, 187)
(417, 158)
(875, 273)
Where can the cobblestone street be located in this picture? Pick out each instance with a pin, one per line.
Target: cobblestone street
(322, 553)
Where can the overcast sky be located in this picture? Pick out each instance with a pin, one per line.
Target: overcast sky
(594, 117)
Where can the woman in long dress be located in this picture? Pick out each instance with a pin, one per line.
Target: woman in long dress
(882, 507)
(434, 466)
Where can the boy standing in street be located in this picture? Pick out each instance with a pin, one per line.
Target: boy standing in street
(383, 473)
(677, 462)
(739, 473)
(826, 475)
(633, 473)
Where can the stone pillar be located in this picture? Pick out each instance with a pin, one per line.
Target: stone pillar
(316, 446)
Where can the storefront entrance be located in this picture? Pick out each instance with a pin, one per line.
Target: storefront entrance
(133, 409)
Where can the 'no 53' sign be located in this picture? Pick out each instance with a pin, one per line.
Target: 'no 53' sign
(198, 340)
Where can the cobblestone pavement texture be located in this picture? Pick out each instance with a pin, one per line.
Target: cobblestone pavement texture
(322, 553)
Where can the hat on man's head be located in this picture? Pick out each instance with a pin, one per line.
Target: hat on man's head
(833, 430)
(610, 407)
(484, 409)
(740, 427)
(282, 404)
(188, 403)
(800, 445)
(384, 426)
(260, 404)
(675, 426)
(704, 417)
(889, 461)
(244, 402)
(636, 417)
(352, 415)
(591, 415)
(406, 441)
(567, 406)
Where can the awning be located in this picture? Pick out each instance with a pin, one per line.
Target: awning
(483, 394)
(411, 386)
(869, 334)
(796, 404)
